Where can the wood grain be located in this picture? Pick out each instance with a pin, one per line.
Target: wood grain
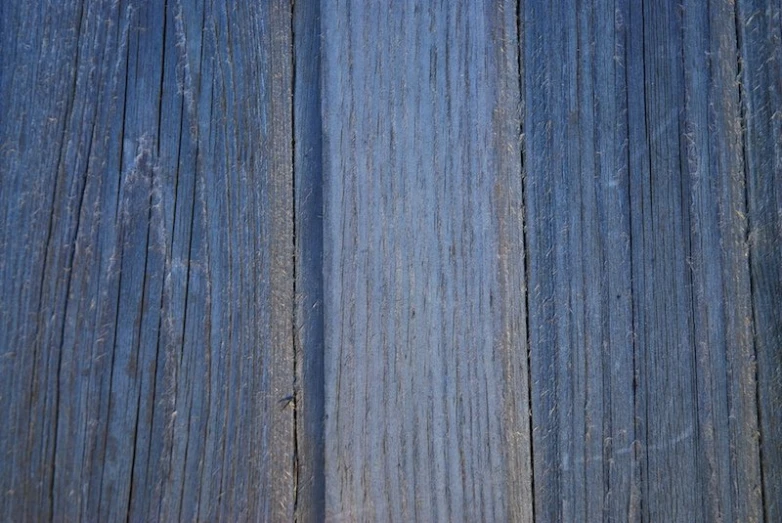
(147, 280)
(425, 364)
(641, 340)
(760, 40)
(464, 260)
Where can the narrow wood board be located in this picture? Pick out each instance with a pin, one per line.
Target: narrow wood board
(758, 26)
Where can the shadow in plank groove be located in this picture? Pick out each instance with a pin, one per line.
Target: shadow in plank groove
(308, 266)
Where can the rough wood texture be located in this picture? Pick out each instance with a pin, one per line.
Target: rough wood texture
(468, 260)
(147, 243)
(759, 31)
(641, 317)
(425, 364)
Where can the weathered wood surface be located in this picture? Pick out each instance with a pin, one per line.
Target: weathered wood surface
(643, 374)
(147, 291)
(426, 355)
(759, 27)
(423, 261)
(651, 290)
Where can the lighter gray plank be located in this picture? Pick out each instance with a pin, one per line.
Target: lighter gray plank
(425, 340)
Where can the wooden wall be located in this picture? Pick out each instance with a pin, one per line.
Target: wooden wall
(474, 260)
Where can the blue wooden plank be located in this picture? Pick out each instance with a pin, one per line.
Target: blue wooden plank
(147, 275)
(643, 385)
(425, 363)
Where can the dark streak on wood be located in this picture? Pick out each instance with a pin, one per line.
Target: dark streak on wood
(309, 263)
